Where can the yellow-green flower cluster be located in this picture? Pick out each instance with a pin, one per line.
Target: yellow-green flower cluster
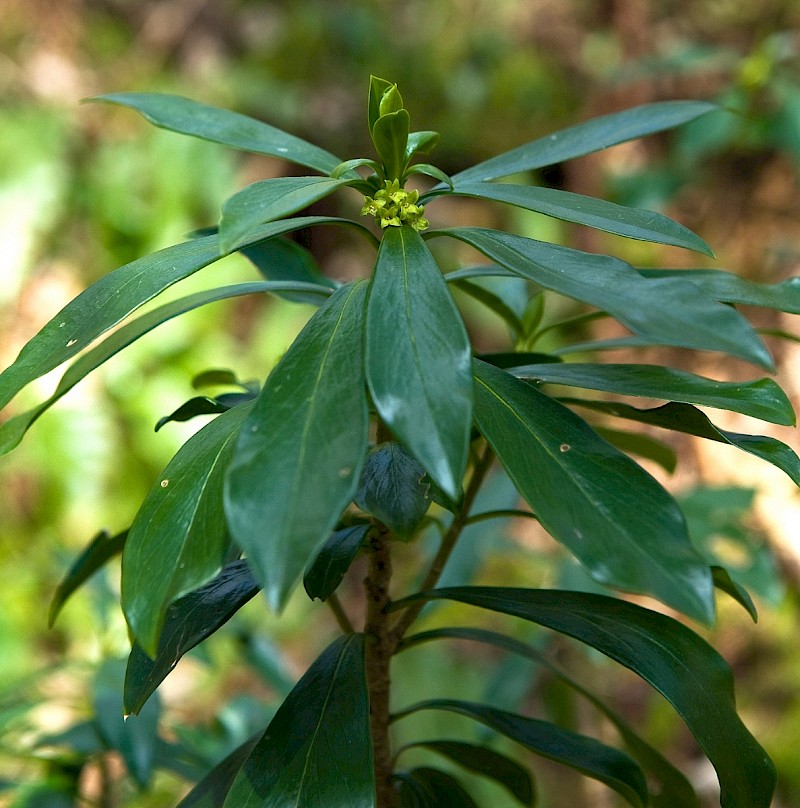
(393, 206)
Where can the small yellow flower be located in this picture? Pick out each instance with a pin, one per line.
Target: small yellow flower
(393, 207)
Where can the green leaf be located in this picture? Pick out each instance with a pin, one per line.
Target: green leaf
(642, 446)
(494, 303)
(682, 317)
(593, 346)
(199, 405)
(112, 298)
(423, 143)
(297, 462)
(391, 101)
(358, 162)
(691, 421)
(101, 548)
(418, 358)
(179, 114)
(643, 225)
(178, 539)
(326, 571)
(393, 488)
(267, 201)
(438, 789)
(685, 669)
(14, 429)
(470, 273)
(211, 791)
(280, 259)
(377, 88)
(621, 524)
(189, 621)
(317, 750)
(486, 762)
(586, 755)
(134, 737)
(724, 582)
(670, 787)
(429, 171)
(585, 138)
(219, 377)
(759, 399)
(390, 136)
(729, 288)
(511, 359)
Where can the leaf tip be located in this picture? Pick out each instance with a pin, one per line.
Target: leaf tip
(55, 609)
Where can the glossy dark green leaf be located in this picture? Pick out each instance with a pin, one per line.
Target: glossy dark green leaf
(189, 621)
(134, 737)
(357, 162)
(391, 101)
(212, 790)
(682, 316)
(317, 750)
(112, 298)
(642, 446)
(326, 571)
(691, 421)
(429, 171)
(494, 303)
(421, 143)
(269, 200)
(390, 136)
(298, 459)
(621, 524)
(730, 288)
(394, 488)
(724, 582)
(102, 547)
(644, 225)
(486, 762)
(487, 271)
(439, 789)
(585, 138)
(512, 359)
(678, 663)
(669, 787)
(586, 755)
(418, 358)
(179, 114)
(178, 539)
(377, 89)
(614, 344)
(760, 399)
(199, 405)
(280, 259)
(14, 429)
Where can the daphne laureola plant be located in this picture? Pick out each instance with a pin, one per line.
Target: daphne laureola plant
(379, 422)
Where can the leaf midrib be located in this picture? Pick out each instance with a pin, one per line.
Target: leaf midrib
(326, 700)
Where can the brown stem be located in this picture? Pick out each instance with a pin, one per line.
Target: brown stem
(449, 540)
(378, 656)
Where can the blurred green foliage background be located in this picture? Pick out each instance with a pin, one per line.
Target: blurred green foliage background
(84, 189)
